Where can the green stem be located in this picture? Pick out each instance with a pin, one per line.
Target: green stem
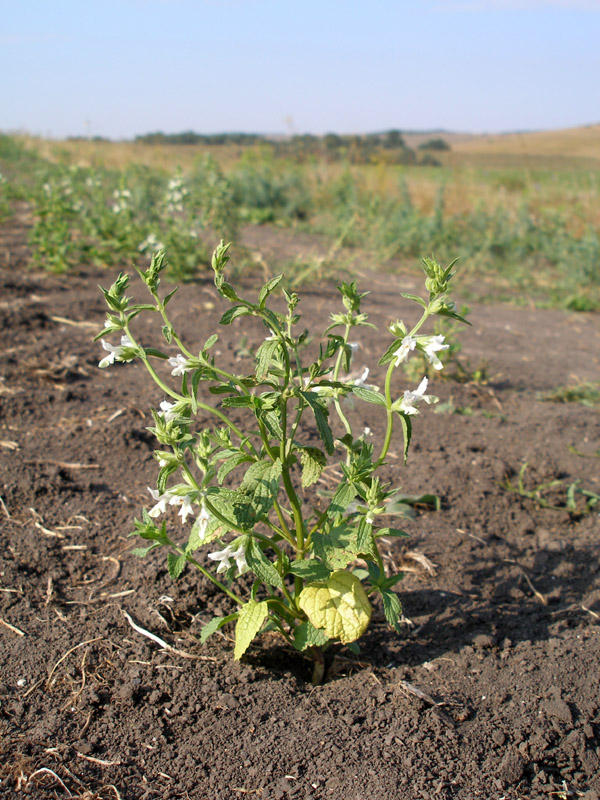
(388, 394)
(214, 580)
(390, 415)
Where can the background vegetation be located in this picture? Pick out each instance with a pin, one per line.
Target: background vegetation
(521, 210)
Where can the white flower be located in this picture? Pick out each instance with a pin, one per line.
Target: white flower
(408, 404)
(180, 364)
(203, 519)
(186, 506)
(363, 377)
(408, 343)
(224, 557)
(435, 344)
(115, 353)
(161, 502)
(167, 410)
(151, 242)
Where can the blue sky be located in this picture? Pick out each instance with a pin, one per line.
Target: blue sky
(119, 68)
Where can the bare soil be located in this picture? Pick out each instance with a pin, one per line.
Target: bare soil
(491, 690)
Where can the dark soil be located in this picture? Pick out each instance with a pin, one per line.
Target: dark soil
(491, 690)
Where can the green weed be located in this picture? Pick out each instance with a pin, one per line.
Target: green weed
(577, 501)
(586, 393)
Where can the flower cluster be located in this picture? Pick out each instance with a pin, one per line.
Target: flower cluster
(429, 345)
(150, 244)
(175, 195)
(122, 352)
(121, 198)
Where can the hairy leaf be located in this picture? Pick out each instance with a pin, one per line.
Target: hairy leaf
(309, 569)
(264, 356)
(232, 313)
(267, 289)
(176, 565)
(264, 569)
(306, 635)
(251, 617)
(313, 461)
(339, 606)
(344, 495)
(369, 395)
(215, 624)
(321, 413)
(392, 608)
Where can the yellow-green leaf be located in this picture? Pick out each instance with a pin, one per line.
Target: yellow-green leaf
(252, 615)
(339, 606)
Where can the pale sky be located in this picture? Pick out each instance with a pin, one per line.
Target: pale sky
(118, 68)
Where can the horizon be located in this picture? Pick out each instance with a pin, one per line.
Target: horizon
(283, 135)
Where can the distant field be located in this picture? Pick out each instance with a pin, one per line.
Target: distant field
(521, 210)
(561, 149)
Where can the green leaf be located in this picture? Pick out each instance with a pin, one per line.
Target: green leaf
(226, 290)
(251, 617)
(273, 423)
(337, 548)
(321, 413)
(201, 534)
(390, 532)
(306, 635)
(163, 475)
(261, 483)
(427, 499)
(214, 625)
(212, 340)
(264, 356)
(235, 506)
(142, 552)
(416, 298)
(260, 565)
(309, 569)
(339, 606)
(149, 530)
(365, 540)
(151, 351)
(344, 495)
(388, 583)
(313, 461)
(230, 464)
(390, 353)
(267, 289)
(452, 315)
(238, 401)
(167, 332)
(169, 296)
(392, 608)
(369, 395)
(231, 314)
(176, 565)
